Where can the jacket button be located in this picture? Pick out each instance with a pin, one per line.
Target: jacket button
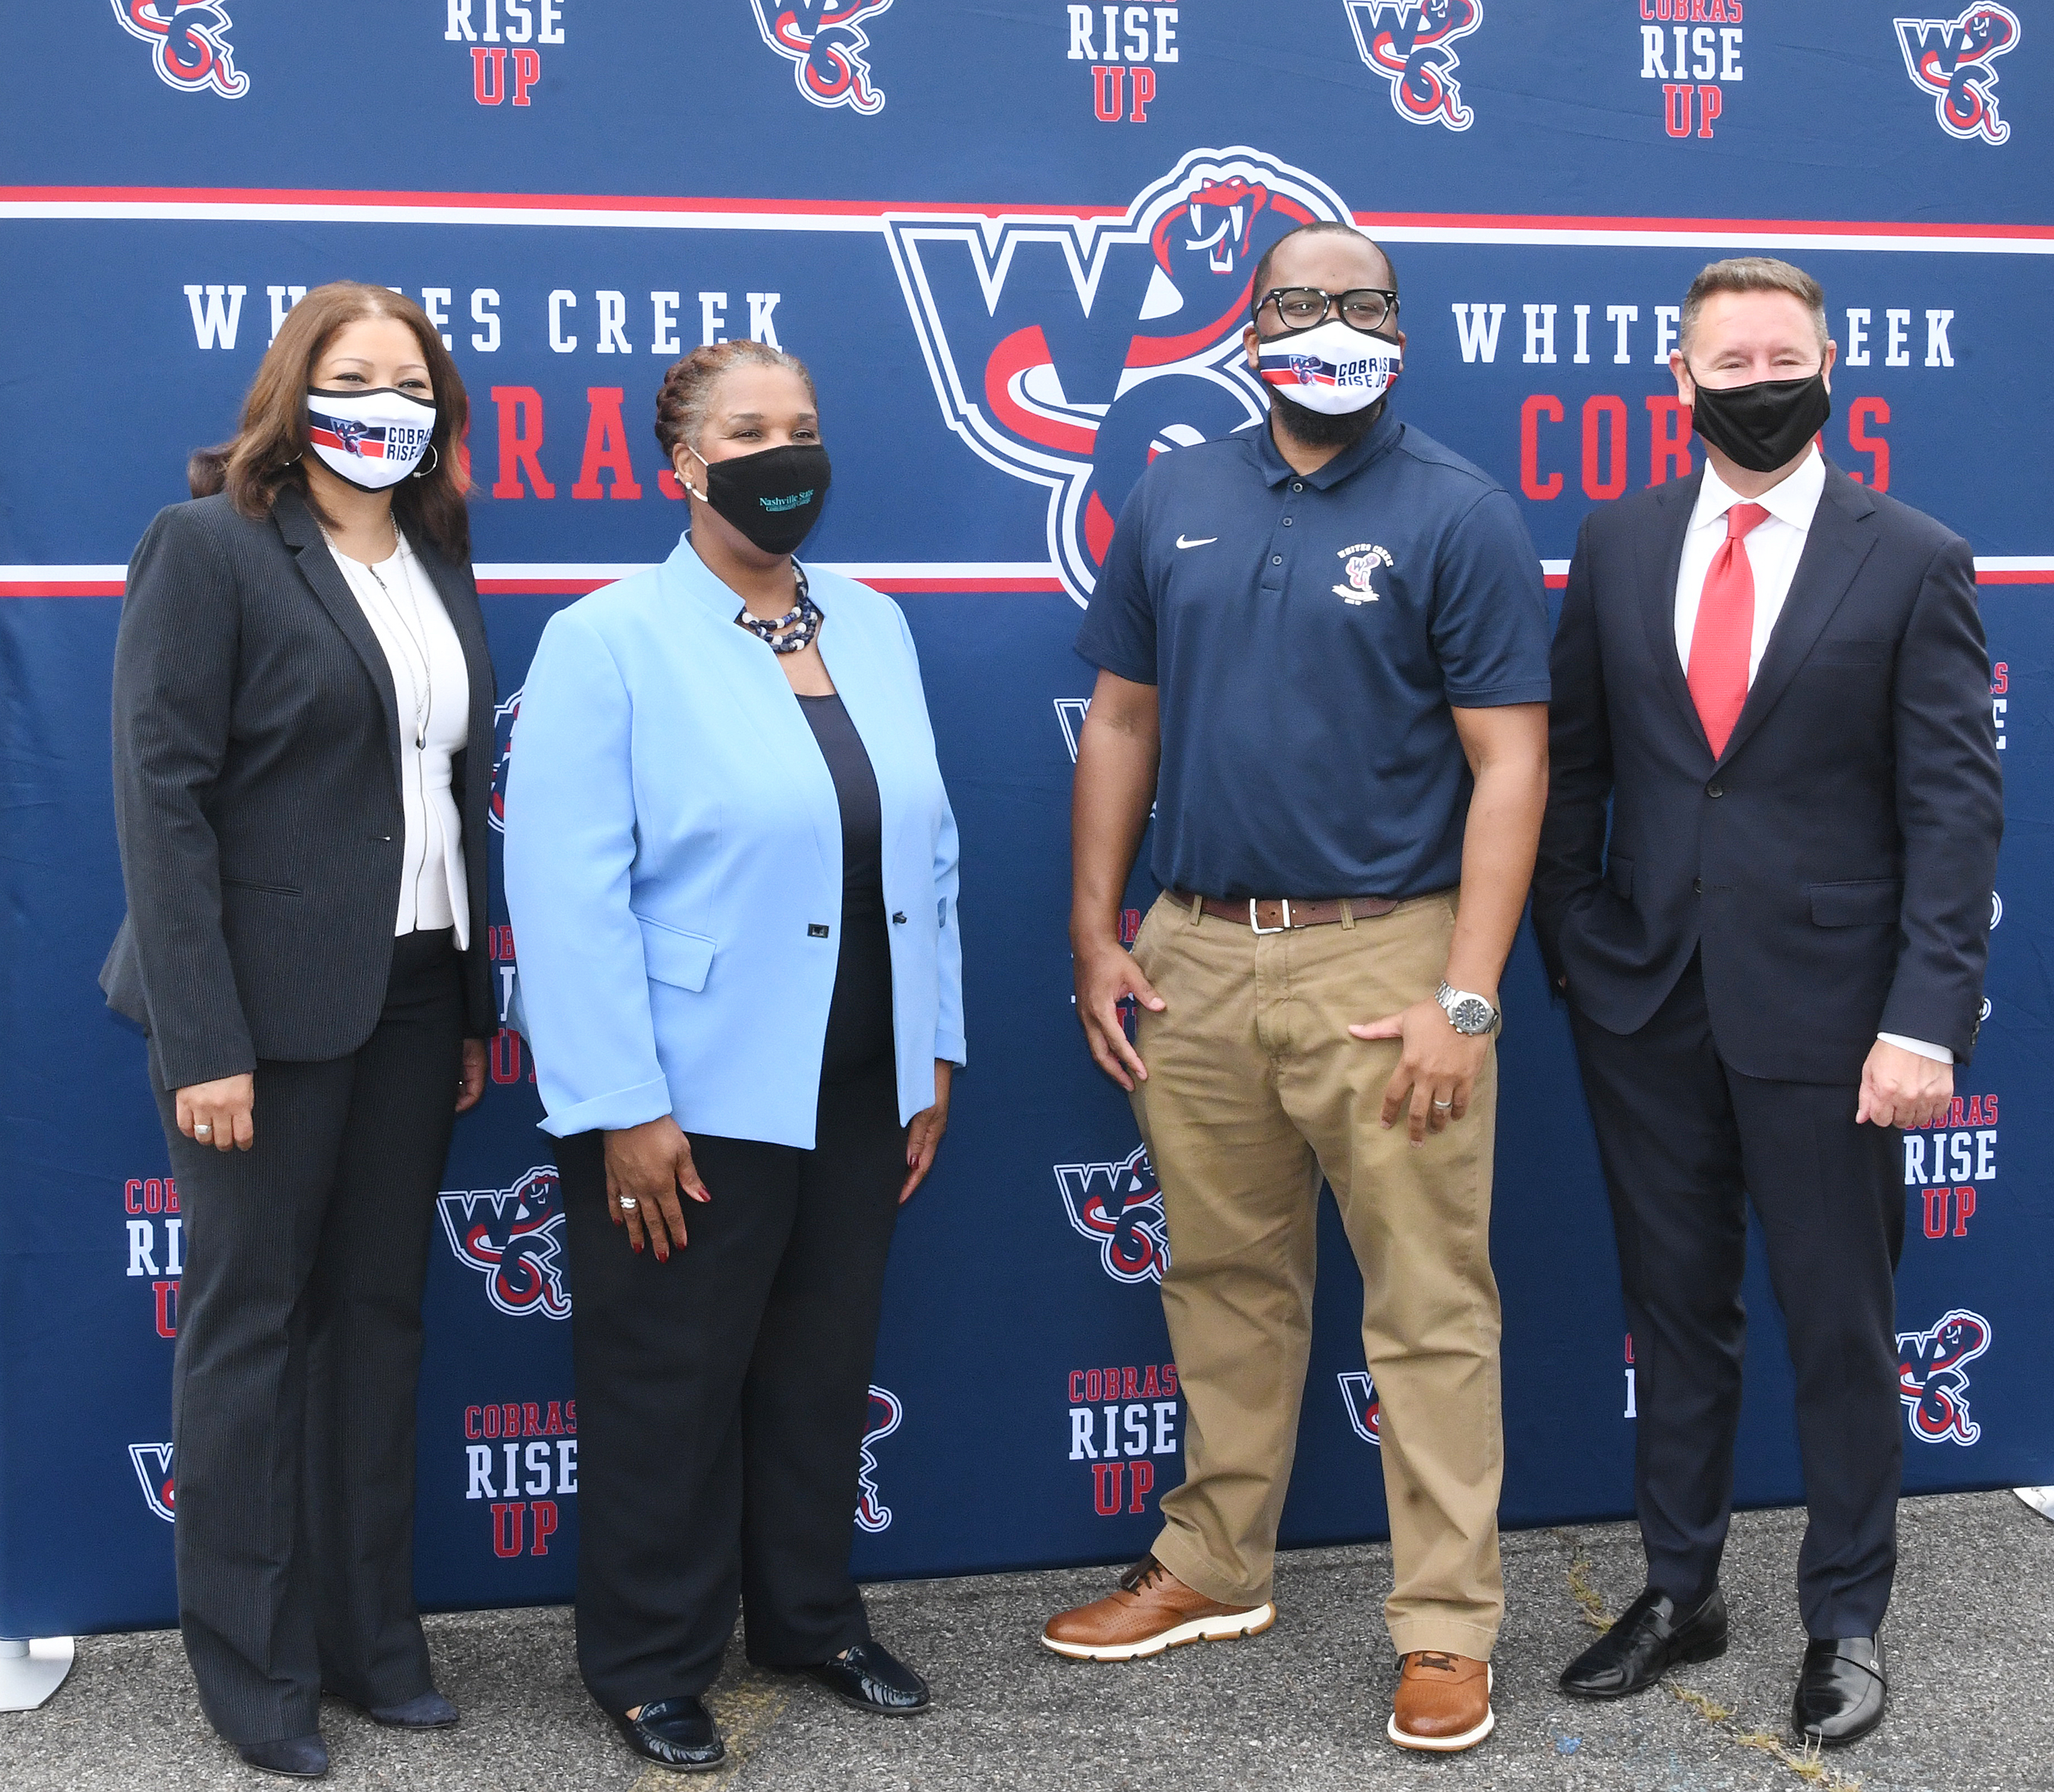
(899, 919)
(1698, 884)
(816, 930)
(1715, 790)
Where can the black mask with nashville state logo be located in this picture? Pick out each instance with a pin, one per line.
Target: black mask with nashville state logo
(1764, 426)
(773, 495)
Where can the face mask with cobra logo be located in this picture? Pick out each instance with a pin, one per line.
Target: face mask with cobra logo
(1330, 367)
(370, 440)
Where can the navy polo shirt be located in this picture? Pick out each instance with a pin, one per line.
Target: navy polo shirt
(1308, 634)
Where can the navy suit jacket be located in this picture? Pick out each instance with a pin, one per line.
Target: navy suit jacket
(1834, 865)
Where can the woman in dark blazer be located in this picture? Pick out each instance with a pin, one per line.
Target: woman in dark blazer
(303, 711)
(731, 869)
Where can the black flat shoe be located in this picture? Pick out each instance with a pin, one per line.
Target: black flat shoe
(292, 1757)
(1649, 1638)
(430, 1711)
(869, 1677)
(1841, 1691)
(678, 1734)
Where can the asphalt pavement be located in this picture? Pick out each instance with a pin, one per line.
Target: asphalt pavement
(1301, 1709)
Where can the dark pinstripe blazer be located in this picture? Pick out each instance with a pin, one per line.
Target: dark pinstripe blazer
(257, 793)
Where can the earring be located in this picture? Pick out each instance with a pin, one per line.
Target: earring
(423, 472)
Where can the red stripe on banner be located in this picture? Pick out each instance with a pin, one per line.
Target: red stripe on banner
(875, 208)
(61, 588)
(2030, 576)
(1555, 581)
(914, 587)
(529, 202)
(540, 588)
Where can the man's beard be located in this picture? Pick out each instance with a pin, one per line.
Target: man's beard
(1316, 428)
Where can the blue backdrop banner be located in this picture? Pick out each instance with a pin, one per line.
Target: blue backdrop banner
(1015, 243)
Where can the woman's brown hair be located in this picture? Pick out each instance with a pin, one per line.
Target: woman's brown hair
(265, 453)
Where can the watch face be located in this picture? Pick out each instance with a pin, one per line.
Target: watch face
(1472, 1014)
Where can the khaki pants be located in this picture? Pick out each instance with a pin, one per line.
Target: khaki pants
(1255, 1087)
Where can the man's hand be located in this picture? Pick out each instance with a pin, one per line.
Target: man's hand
(925, 1133)
(219, 1113)
(1901, 1088)
(1105, 974)
(647, 1165)
(1436, 1071)
(471, 1076)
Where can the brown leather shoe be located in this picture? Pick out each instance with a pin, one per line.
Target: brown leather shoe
(1443, 1702)
(1152, 1611)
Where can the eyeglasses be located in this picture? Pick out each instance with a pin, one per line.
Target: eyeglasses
(1299, 307)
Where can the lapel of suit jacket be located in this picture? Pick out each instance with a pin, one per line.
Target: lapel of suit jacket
(1661, 554)
(1839, 540)
(296, 522)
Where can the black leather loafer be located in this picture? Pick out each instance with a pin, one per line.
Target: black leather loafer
(678, 1734)
(292, 1757)
(430, 1711)
(1649, 1638)
(869, 1677)
(1841, 1691)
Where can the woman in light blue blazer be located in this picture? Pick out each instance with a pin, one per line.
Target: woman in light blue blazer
(731, 869)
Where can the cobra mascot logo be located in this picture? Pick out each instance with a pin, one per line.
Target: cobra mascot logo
(825, 43)
(1411, 44)
(886, 1411)
(1070, 351)
(514, 1238)
(1119, 1207)
(1950, 58)
(189, 43)
(1932, 1380)
(503, 719)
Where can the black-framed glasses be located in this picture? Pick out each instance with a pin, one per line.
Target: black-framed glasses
(1300, 308)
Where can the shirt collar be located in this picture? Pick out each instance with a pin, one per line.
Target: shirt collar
(1276, 470)
(1793, 499)
(691, 575)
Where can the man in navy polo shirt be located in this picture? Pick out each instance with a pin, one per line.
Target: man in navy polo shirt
(1323, 655)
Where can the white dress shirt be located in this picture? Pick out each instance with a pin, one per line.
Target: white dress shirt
(431, 683)
(1772, 548)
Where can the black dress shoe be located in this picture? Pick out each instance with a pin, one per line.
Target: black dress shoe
(869, 1677)
(292, 1757)
(1841, 1691)
(1649, 1638)
(675, 1733)
(429, 1711)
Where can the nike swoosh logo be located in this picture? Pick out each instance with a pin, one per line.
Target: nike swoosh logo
(1203, 541)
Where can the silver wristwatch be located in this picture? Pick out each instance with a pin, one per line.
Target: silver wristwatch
(1467, 1012)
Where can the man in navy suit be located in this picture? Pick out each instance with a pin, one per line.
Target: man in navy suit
(1776, 679)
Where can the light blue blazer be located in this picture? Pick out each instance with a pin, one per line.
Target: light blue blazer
(673, 864)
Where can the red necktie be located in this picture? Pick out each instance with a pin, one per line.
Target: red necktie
(1724, 636)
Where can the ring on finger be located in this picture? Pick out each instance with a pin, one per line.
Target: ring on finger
(202, 1129)
(1444, 1106)
(628, 1203)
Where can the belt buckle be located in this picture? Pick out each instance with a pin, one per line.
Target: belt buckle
(1283, 902)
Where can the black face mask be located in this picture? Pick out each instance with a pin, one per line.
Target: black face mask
(1764, 426)
(773, 495)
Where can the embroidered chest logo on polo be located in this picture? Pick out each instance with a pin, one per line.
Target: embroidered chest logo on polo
(1360, 562)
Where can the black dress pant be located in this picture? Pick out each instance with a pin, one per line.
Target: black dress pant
(1686, 1140)
(299, 1346)
(722, 1398)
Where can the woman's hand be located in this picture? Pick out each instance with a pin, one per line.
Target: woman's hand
(471, 1076)
(646, 1166)
(219, 1113)
(925, 1134)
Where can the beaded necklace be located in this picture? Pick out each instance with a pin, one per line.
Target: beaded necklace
(803, 620)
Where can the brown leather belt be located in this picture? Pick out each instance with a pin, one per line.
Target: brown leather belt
(1279, 914)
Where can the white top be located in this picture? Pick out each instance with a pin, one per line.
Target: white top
(431, 682)
(1774, 548)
